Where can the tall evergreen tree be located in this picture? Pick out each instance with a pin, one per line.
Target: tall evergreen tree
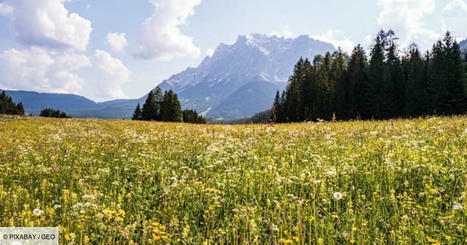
(159, 98)
(171, 109)
(349, 89)
(447, 92)
(149, 112)
(191, 116)
(3, 104)
(281, 117)
(138, 114)
(275, 106)
(337, 78)
(415, 94)
(457, 81)
(392, 94)
(372, 91)
(293, 104)
(20, 108)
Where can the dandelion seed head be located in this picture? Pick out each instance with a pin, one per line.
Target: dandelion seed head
(338, 195)
(37, 212)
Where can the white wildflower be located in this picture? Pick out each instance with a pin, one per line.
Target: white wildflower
(457, 206)
(89, 197)
(274, 228)
(338, 195)
(37, 212)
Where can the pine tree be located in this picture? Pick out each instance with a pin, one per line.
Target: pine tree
(392, 94)
(457, 81)
(159, 98)
(7, 106)
(338, 76)
(447, 92)
(372, 91)
(3, 105)
(306, 92)
(275, 107)
(281, 115)
(416, 85)
(11, 107)
(177, 109)
(138, 114)
(293, 104)
(349, 89)
(191, 116)
(20, 109)
(171, 109)
(149, 112)
(53, 113)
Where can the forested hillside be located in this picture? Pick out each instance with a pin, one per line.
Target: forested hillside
(389, 83)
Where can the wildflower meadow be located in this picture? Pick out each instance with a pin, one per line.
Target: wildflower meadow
(133, 182)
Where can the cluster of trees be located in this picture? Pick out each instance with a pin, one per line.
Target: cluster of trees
(387, 85)
(7, 106)
(53, 113)
(191, 116)
(165, 108)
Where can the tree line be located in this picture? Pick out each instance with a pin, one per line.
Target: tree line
(48, 112)
(388, 84)
(7, 106)
(165, 107)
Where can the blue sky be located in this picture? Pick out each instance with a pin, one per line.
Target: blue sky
(109, 49)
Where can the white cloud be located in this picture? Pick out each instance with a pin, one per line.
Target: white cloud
(160, 35)
(113, 74)
(454, 18)
(42, 70)
(47, 23)
(116, 41)
(39, 70)
(5, 9)
(338, 39)
(404, 17)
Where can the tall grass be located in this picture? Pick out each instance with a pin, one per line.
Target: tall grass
(121, 182)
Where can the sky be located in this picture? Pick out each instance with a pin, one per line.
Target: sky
(114, 49)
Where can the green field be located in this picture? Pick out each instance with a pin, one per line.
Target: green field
(126, 182)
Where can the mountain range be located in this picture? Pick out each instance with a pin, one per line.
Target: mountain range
(241, 79)
(237, 81)
(74, 105)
